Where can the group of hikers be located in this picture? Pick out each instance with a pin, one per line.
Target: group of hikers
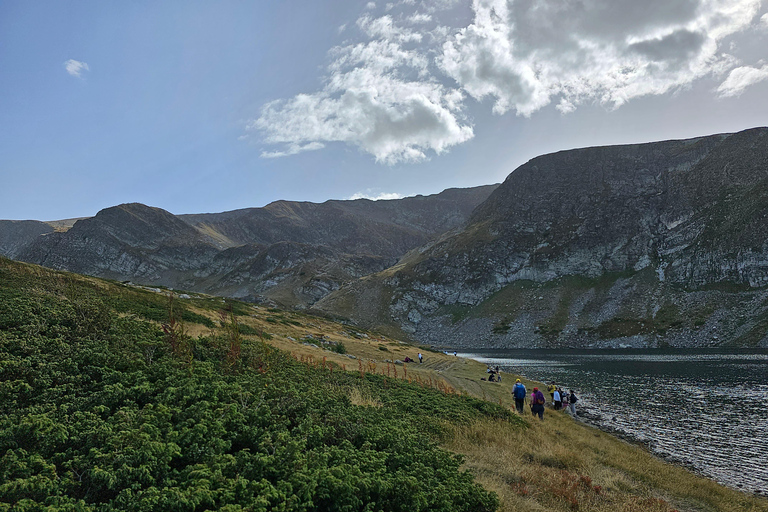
(560, 399)
(494, 374)
(409, 360)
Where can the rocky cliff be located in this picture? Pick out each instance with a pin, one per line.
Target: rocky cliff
(293, 253)
(639, 245)
(15, 235)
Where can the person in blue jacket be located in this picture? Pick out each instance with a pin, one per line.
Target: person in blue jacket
(519, 393)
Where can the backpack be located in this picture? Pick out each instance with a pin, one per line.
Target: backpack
(519, 392)
(539, 398)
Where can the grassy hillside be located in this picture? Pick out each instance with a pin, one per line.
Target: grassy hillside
(119, 398)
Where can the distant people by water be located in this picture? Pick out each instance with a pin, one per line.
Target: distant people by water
(572, 399)
(492, 375)
(537, 403)
(551, 389)
(519, 393)
(421, 358)
(556, 400)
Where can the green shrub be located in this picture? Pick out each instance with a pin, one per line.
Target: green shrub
(96, 413)
(339, 348)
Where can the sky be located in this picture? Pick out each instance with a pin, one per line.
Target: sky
(198, 106)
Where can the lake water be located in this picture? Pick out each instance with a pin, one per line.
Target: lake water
(707, 409)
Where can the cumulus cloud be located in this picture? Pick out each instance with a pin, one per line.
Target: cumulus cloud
(740, 78)
(764, 20)
(76, 68)
(383, 196)
(526, 55)
(401, 90)
(375, 100)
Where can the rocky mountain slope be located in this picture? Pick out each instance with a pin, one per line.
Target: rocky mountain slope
(639, 245)
(17, 234)
(289, 252)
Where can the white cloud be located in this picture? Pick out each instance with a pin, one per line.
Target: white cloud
(375, 100)
(293, 149)
(419, 19)
(383, 196)
(525, 55)
(764, 20)
(76, 68)
(384, 28)
(741, 78)
(400, 91)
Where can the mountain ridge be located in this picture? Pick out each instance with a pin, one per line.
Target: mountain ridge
(605, 246)
(289, 252)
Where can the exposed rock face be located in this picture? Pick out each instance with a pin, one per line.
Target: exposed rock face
(293, 253)
(17, 234)
(620, 244)
(124, 242)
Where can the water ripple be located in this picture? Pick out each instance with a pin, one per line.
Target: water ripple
(707, 410)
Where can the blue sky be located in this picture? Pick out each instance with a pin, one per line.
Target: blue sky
(212, 106)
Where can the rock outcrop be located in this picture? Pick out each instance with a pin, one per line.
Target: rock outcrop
(292, 253)
(15, 235)
(641, 245)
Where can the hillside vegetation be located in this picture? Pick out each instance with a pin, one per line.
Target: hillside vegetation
(114, 397)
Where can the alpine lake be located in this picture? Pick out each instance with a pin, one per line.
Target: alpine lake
(706, 409)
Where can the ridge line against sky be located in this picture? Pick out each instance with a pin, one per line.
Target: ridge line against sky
(218, 107)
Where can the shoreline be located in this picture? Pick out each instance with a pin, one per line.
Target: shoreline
(595, 421)
(591, 416)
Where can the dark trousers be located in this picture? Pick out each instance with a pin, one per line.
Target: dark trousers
(538, 409)
(519, 403)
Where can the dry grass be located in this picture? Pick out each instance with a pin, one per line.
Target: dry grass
(561, 464)
(556, 465)
(363, 399)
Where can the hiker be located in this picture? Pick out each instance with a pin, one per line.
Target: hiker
(572, 399)
(491, 377)
(537, 403)
(455, 354)
(556, 399)
(421, 358)
(519, 393)
(551, 389)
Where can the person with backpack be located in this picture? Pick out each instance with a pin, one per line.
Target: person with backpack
(537, 403)
(519, 393)
(572, 399)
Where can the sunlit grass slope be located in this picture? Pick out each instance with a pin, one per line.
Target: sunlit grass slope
(114, 397)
